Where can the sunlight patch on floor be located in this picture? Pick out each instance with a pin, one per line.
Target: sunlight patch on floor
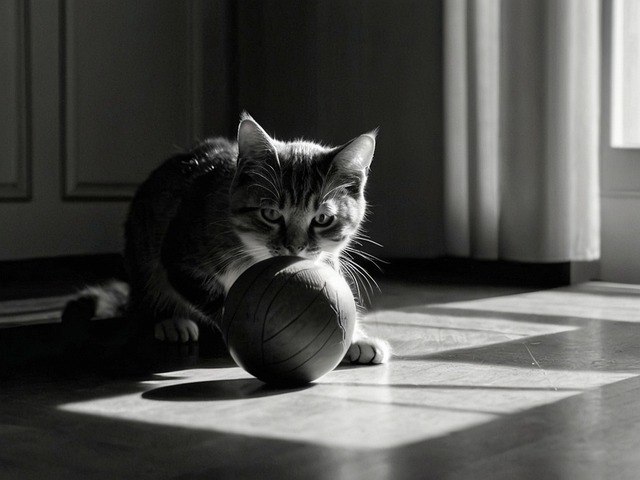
(588, 301)
(364, 408)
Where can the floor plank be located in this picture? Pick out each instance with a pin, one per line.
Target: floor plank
(486, 382)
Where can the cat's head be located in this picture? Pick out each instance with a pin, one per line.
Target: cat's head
(298, 198)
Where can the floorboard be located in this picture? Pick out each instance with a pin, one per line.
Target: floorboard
(485, 383)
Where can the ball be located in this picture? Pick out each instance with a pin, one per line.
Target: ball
(288, 321)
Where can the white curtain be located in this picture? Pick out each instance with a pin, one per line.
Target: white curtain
(522, 117)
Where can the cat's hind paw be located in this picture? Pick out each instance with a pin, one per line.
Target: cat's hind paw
(366, 351)
(177, 330)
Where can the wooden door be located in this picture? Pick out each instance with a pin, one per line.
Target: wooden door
(95, 95)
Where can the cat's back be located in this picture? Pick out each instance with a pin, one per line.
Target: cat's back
(176, 174)
(158, 199)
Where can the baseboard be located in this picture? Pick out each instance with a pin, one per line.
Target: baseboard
(453, 270)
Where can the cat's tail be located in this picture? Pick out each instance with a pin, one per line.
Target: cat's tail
(106, 300)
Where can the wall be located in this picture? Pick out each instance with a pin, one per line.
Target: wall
(333, 70)
(101, 92)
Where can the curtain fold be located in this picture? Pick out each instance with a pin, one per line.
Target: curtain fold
(522, 116)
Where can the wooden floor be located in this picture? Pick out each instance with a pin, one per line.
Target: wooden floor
(486, 383)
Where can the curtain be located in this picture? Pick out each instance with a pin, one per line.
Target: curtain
(522, 116)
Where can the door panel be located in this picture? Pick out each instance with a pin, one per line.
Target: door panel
(99, 93)
(14, 121)
(128, 91)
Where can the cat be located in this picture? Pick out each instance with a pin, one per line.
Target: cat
(203, 217)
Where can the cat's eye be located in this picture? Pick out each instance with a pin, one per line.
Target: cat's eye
(323, 220)
(270, 214)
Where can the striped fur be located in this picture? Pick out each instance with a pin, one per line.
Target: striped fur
(205, 216)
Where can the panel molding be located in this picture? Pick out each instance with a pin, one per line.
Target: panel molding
(75, 188)
(20, 189)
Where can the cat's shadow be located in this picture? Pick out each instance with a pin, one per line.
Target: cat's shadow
(235, 389)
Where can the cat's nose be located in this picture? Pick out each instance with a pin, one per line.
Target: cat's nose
(295, 249)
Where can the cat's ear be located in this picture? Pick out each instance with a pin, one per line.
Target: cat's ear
(357, 154)
(253, 141)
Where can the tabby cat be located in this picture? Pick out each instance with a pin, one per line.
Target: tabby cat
(203, 217)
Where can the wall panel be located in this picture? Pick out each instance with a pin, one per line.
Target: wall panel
(15, 113)
(128, 91)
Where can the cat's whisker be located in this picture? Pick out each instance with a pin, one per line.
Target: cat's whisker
(364, 275)
(365, 296)
(326, 196)
(263, 174)
(276, 176)
(366, 256)
(348, 265)
(371, 282)
(359, 287)
(222, 262)
(268, 169)
(361, 237)
(346, 269)
(270, 188)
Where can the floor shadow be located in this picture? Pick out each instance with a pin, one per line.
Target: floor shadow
(346, 365)
(401, 295)
(549, 441)
(236, 389)
(595, 345)
(443, 310)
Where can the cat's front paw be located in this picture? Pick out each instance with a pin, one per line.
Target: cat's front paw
(368, 351)
(177, 330)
